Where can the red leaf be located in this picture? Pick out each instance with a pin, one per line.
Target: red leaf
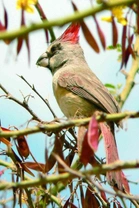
(22, 17)
(91, 200)
(24, 167)
(2, 171)
(2, 27)
(101, 34)
(20, 39)
(82, 196)
(114, 32)
(123, 45)
(89, 37)
(6, 141)
(19, 161)
(125, 183)
(87, 34)
(70, 158)
(103, 194)
(74, 6)
(5, 17)
(4, 129)
(114, 205)
(28, 47)
(84, 149)
(35, 166)
(69, 204)
(129, 51)
(43, 17)
(50, 162)
(118, 204)
(72, 205)
(19, 45)
(137, 16)
(59, 152)
(22, 147)
(93, 134)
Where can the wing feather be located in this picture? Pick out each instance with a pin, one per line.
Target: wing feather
(97, 93)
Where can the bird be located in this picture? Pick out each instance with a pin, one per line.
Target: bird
(78, 91)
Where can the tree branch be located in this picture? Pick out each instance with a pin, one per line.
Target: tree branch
(24, 104)
(44, 100)
(130, 76)
(77, 16)
(56, 127)
(118, 165)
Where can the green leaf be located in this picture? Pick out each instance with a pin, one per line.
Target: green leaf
(108, 85)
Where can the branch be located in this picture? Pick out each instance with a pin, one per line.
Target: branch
(130, 76)
(24, 104)
(77, 16)
(118, 165)
(70, 175)
(44, 100)
(56, 127)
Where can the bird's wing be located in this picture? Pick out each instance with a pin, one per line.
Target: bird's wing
(89, 88)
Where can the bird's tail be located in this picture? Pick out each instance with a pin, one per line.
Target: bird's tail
(114, 178)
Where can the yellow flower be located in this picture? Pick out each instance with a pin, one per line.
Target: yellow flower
(107, 19)
(118, 13)
(26, 5)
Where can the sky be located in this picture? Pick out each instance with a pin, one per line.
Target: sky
(104, 65)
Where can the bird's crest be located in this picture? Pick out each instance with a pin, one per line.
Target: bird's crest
(71, 33)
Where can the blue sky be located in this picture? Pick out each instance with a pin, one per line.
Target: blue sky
(104, 64)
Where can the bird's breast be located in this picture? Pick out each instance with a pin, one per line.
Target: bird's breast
(72, 105)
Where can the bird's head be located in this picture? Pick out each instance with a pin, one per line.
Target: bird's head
(62, 50)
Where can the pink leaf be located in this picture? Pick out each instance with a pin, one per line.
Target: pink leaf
(2, 172)
(125, 183)
(84, 149)
(93, 134)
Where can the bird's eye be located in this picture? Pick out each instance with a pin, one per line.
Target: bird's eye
(55, 48)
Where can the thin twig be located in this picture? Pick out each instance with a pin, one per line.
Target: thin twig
(24, 104)
(34, 89)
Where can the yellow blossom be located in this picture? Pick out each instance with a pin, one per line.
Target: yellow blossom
(118, 13)
(107, 19)
(26, 5)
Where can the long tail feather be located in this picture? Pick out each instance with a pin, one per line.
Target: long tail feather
(114, 178)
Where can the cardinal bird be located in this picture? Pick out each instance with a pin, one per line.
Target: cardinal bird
(79, 93)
